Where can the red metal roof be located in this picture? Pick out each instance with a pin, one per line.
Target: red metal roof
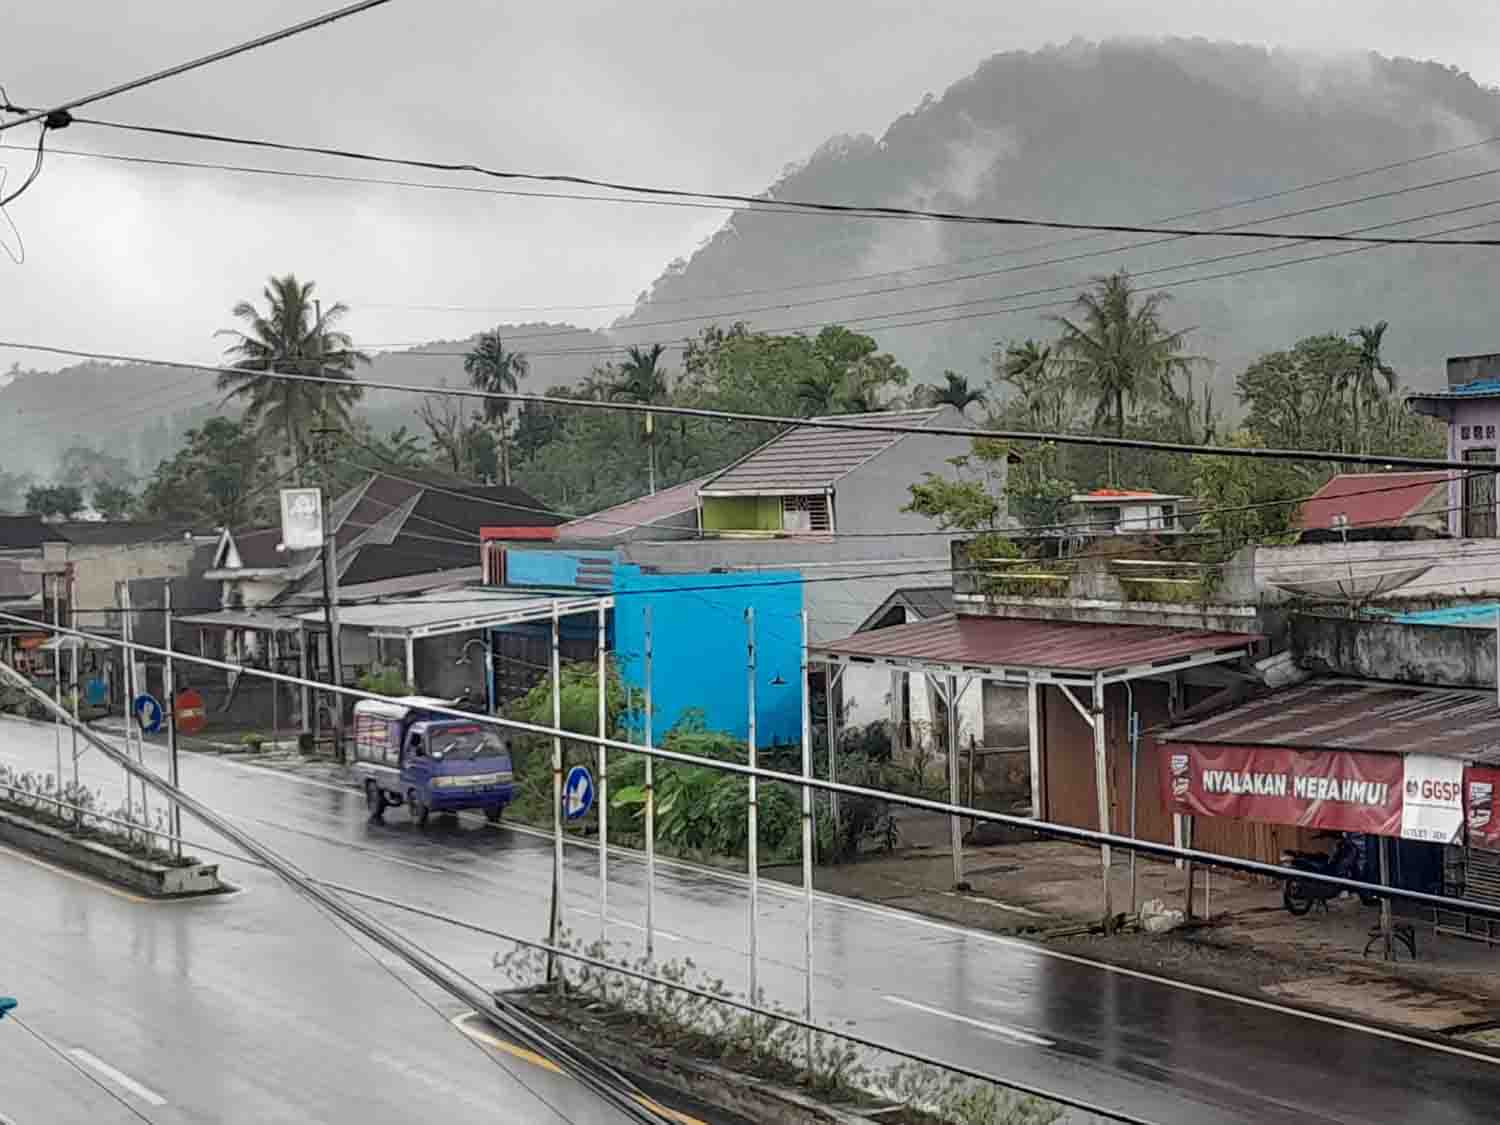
(1359, 715)
(1066, 646)
(1370, 499)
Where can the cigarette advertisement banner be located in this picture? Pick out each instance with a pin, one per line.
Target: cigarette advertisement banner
(1481, 784)
(1343, 791)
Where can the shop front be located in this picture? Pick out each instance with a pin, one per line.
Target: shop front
(1407, 768)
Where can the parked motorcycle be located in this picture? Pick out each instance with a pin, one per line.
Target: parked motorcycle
(1345, 861)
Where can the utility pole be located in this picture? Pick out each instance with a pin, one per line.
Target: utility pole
(169, 689)
(331, 614)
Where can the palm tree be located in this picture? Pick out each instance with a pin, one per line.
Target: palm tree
(1118, 351)
(491, 368)
(642, 379)
(819, 391)
(956, 392)
(295, 336)
(1371, 378)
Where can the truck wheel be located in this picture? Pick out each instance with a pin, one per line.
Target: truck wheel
(419, 812)
(374, 800)
(492, 813)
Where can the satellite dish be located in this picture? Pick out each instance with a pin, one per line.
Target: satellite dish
(1352, 587)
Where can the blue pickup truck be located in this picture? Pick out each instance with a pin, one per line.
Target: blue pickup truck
(406, 753)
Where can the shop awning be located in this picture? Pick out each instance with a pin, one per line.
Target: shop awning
(1022, 649)
(1343, 755)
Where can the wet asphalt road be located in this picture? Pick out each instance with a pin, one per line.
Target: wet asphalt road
(312, 1017)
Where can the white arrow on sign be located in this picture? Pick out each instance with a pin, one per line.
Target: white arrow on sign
(579, 794)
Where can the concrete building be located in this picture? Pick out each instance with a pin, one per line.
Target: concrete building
(1471, 408)
(1128, 511)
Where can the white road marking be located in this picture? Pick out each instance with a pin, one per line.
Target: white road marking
(124, 1081)
(998, 904)
(666, 935)
(775, 888)
(994, 1028)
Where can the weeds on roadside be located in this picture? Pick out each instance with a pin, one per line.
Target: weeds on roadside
(708, 1024)
(77, 809)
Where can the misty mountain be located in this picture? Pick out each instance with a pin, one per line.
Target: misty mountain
(140, 411)
(1127, 131)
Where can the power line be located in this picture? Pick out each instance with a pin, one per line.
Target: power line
(194, 64)
(858, 423)
(896, 273)
(857, 210)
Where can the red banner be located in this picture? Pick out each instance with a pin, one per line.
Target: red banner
(1481, 787)
(1340, 790)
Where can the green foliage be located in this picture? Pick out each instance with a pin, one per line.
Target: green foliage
(294, 335)
(975, 500)
(492, 367)
(218, 477)
(584, 460)
(1249, 500)
(383, 679)
(1119, 351)
(113, 501)
(59, 501)
(953, 391)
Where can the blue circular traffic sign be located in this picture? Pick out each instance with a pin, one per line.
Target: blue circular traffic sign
(148, 712)
(578, 793)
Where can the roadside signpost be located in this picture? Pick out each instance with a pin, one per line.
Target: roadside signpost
(189, 711)
(578, 793)
(148, 712)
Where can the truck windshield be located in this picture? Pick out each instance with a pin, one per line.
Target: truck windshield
(463, 744)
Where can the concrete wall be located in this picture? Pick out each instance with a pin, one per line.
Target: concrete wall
(97, 569)
(871, 497)
(553, 568)
(1461, 568)
(742, 513)
(847, 579)
(1440, 655)
(698, 648)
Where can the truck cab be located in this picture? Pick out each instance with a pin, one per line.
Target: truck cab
(408, 753)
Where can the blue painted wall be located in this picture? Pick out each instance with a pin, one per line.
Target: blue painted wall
(698, 647)
(553, 568)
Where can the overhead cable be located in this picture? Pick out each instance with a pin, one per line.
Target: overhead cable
(854, 209)
(323, 20)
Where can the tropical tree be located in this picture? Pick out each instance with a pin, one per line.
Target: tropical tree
(56, 501)
(491, 367)
(113, 501)
(1370, 379)
(220, 476)
(294, 336)
(955, 392)
(641, 379)
(1117, 349)
(1042, 386)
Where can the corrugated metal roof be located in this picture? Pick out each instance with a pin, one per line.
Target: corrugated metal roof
(1359, 715)
(396, 587)
(634, 515)
(448, 611)
(1479, 388)
(1370, 499)
(261, 620)
(811, 459)
(1064, 646)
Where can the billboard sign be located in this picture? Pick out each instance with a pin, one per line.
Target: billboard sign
(302, 518)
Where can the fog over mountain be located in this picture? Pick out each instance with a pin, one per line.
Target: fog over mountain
(1131, 131)
(1122, 131)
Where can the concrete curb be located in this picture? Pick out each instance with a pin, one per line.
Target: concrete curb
(657, 1069)
(156, 880)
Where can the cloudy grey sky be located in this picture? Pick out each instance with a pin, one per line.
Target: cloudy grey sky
(699, 94)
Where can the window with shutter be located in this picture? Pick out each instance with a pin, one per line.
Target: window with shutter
(805, 514)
